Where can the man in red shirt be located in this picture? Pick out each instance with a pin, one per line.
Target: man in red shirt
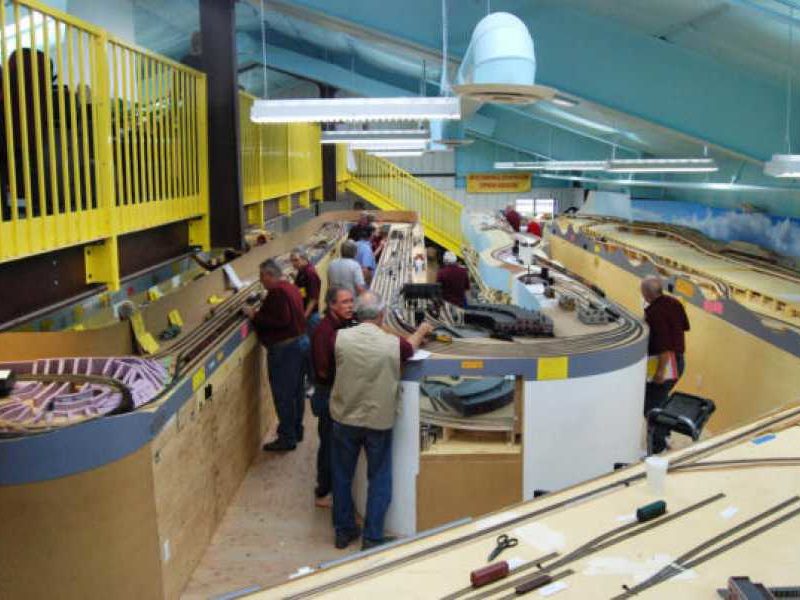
(454, 280)
(668, 323)
(338, 315)
(281, 326)
(513, 218)
(534, 228)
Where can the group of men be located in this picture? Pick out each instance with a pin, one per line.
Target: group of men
(515, 220)
(355, 367)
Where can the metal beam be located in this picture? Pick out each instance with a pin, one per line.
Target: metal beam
(692, 22)
(226, 208)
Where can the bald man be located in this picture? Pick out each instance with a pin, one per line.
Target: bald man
(668, 323)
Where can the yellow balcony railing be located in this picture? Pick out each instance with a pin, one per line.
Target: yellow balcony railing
(278, 161)
(99, 139)
(389, 187)
(342, 172)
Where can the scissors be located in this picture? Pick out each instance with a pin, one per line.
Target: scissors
(503, 542)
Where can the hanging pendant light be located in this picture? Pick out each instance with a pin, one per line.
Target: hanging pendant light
(786, 165)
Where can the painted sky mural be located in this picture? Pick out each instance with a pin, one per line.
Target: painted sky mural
(780, 234)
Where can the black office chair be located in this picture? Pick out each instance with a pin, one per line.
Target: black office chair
(683, 413)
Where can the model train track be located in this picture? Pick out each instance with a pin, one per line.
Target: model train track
(83, 396)
(396, 268)
(783, 420)
(706, 550)
(703, 279)
(601, 542)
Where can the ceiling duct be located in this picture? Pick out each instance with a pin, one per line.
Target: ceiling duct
(500, 63)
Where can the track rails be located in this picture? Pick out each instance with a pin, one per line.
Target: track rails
(783, 420)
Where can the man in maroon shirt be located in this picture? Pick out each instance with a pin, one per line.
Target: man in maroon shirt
(668, 323)
(338, 315)
(513, 218)
(281, 326)
(454, 280)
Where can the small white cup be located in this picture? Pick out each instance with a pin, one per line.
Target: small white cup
(656, 474)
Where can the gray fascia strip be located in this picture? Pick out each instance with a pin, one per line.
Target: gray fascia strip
(732, 312)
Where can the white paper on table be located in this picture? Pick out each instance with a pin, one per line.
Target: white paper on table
(420, 355)
(497, 519)
(553, 588)
(637, 570)
(541, 537)
(233, 277)
(515, 562)
(728, 512)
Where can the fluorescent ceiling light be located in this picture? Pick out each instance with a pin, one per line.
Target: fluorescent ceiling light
(783, 165)
(555, 165)
(311, 110)
(663, 165)
(678, 185)
(367, 135)
(410, 144)
(398, 153)
(564, 101)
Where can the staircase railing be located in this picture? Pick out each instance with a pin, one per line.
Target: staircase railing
(389, 187)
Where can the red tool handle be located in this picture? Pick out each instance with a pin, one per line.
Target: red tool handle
(489, 574)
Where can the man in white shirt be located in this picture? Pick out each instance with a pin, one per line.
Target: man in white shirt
(363, 405)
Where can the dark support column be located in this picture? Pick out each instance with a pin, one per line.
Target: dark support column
(328, 156)
(218, 30)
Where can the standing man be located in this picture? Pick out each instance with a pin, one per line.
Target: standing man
(668, 322)
(281, 326)
(513, 218)
(534, 228)
(454, 280)
(363, 227)
(363, 407)
(345, 272)
(309, 284)
(338, 315)
(365, 257)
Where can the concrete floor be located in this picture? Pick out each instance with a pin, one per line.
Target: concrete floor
(271, 528)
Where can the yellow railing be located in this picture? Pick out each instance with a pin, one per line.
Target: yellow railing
(100, 139)
(389, 187)
(342, 172)
(278, 161)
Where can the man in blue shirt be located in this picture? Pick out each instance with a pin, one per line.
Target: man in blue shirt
(365, 257)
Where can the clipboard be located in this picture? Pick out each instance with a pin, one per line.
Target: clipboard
(670, 371)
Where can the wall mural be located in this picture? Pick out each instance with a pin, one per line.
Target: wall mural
(779, 234)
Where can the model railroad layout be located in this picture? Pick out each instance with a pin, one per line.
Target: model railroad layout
(492, 329)
(489, 326)
(695, 521)
(762, 281)
(56, 392)
(69, 390)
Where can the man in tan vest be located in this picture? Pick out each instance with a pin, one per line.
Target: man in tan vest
(363, 404)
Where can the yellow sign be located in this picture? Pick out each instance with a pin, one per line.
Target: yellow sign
(488, 183)
(471, 364)
(198, 378)
(552, 367)
(684, 287)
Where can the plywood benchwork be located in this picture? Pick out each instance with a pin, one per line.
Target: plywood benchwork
(747, 368)
(124, 506)
(731, 509)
